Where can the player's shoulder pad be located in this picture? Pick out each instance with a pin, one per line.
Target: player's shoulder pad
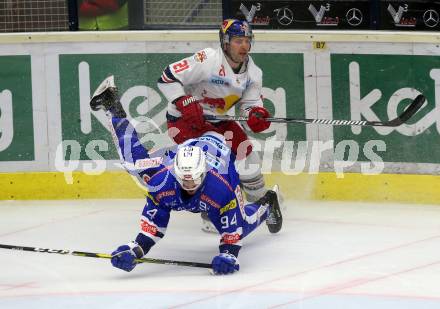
(219, 181)
(160, 177)
(204, 55)
(254, 72)
(215, 192)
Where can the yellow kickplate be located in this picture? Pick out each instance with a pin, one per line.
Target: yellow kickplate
(421, 189)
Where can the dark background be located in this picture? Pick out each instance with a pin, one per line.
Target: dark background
(62, 15)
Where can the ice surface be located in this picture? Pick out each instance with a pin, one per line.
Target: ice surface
(328, 255)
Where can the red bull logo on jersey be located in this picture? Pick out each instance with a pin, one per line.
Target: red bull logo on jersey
(222, 105)
(200, 56)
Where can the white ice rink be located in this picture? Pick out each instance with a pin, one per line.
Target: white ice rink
(328, 255)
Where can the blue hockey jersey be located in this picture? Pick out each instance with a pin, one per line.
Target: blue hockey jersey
(219, 196)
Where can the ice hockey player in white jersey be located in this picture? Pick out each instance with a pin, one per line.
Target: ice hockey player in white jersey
(211, 82)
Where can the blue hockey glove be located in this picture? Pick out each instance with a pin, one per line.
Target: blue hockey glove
(124, 257)
(225, 263)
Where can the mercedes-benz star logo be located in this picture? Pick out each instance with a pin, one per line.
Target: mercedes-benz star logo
(431, 18)
(284, 16)
(354, 17)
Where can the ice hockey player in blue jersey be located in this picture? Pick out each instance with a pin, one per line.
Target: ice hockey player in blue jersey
(197, 176)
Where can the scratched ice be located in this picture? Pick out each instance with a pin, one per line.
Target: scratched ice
(328, 255)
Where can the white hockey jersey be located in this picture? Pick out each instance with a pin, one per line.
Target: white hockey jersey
(207, 76)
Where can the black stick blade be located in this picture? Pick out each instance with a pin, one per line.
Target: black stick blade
(408, 113)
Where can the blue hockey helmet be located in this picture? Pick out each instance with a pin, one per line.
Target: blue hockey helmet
(234, 27)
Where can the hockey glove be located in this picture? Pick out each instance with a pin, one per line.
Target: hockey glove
(257, 119)
(225, 263)
(192, 111)
(124, 257)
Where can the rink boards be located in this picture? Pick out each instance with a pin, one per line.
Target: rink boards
(420, 189)
(53, 147)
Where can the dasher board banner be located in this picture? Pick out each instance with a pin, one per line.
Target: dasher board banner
(410, 15)
(323, 15)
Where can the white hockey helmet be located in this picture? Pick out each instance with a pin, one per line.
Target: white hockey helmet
(190, 167)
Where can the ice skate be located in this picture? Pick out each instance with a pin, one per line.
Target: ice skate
(106, 98)
(274, 220)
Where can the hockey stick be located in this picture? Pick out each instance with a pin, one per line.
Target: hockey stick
(105, 256)
(415, 105)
